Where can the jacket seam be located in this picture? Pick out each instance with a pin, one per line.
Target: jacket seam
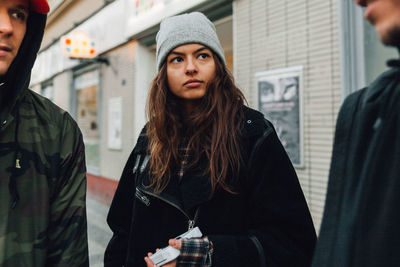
(266, 133)
(260, 250)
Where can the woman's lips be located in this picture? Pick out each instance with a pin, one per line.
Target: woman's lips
(193, 83)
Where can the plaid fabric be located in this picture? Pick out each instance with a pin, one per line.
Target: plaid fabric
(195, 252)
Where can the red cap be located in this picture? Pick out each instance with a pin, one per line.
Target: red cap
(39, 6)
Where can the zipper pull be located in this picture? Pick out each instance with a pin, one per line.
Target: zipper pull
(17, 164)
(145, 200)
(190, 225)
(142, 197)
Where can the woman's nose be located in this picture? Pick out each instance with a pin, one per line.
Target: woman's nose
(191, 66)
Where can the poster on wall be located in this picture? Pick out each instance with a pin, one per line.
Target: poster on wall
(115, 123)
(280, 100)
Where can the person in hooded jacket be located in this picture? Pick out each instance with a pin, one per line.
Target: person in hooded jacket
(42, 162)
(206, 160)
(360, 227)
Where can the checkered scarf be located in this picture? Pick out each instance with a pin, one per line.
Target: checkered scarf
(195, 252)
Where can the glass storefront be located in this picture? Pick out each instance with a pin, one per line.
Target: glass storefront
(86, 88)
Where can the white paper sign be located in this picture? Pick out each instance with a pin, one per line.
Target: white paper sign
(115, 123)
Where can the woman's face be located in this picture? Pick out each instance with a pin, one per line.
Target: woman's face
(190, 68)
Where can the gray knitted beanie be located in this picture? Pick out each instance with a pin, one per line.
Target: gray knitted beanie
(194, 27)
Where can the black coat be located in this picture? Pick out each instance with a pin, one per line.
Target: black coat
(266, 223)
(361, 224)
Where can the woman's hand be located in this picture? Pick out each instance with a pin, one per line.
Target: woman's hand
(173, 243)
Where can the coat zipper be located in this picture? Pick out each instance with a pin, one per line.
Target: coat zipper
(142, 197)
(191, 223)
(146, 201)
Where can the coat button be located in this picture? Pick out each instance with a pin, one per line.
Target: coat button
(248, 121)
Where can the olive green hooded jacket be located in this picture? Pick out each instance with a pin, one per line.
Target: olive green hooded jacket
(42, 171)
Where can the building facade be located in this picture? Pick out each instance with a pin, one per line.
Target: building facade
(295, 60)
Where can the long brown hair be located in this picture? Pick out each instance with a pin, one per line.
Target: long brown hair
(213, 129)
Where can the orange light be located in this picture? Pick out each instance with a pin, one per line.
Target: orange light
(68, 41)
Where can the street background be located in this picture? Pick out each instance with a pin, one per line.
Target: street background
(98, 231)
(97, 61)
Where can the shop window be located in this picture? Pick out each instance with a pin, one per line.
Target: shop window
(86, 88)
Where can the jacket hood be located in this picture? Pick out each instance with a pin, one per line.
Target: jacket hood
(17, 78)
(394, 63)
(388, 78)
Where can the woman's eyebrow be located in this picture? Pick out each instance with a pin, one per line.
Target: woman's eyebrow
(176, 53)
(201, 49)
(182, 54)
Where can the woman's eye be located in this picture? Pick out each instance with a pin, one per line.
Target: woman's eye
(176, 60)
(204, 56)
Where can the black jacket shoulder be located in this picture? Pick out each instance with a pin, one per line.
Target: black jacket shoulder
(142, 142)
(255, 124)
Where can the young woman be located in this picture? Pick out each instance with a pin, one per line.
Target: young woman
(205, 159)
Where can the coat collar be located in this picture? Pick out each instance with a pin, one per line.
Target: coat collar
(377, 87)
(181, 193)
